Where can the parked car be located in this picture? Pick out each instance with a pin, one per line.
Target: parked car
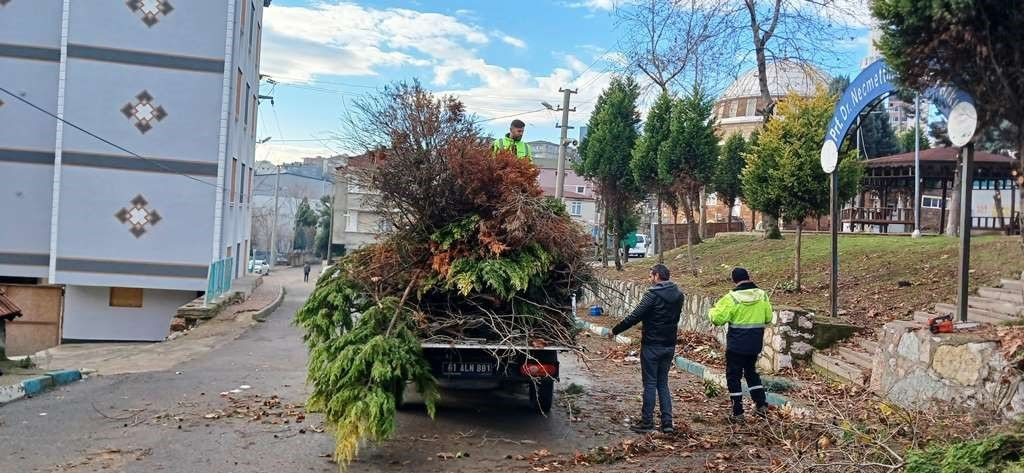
(258, 266)
(639, 250)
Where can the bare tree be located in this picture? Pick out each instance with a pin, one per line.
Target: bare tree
(676, 41)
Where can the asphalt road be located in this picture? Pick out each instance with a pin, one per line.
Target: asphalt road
(177, 421)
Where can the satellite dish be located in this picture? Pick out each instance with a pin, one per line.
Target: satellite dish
(829, 157)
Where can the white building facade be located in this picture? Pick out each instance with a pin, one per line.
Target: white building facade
(130, 213)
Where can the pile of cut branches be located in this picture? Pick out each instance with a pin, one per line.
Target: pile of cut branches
(475, 252)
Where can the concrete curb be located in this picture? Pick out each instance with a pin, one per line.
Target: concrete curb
(602, 331)
(38, 385)
(262, 314)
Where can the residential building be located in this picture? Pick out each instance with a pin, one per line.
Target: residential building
(130, 238)
(292, 188)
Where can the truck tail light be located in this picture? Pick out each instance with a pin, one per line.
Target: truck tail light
(538, 370)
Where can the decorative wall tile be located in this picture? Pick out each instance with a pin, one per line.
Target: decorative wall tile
(138, 216)
(151, 10)
(144, 112)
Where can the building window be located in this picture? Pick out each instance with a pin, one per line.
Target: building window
(751, 107)
(241, 189)
(576, 208)
(241, 24)
(930, 202)
(351, 221)
(251, 173)
(384, 226)
(238, 95)
(255, 111)
(234, 171)
(259, 44)
(581, 189)
(126, 297)
(733, 104)
(248, 93)
(252, 21)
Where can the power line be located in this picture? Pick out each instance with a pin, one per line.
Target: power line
(108, 142)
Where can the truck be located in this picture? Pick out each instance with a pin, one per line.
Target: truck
(479, 365)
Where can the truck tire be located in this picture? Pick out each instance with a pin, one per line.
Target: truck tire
(542, 394)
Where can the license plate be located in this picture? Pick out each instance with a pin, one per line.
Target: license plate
(468, 368)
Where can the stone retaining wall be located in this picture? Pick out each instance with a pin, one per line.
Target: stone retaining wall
(786, 342)
(915, 368)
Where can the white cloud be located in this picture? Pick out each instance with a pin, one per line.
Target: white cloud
(279, 153)
(595, 4)
(512, 41)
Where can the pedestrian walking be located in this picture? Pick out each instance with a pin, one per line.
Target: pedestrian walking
(659, 311)
(747, 310)
(305, 272)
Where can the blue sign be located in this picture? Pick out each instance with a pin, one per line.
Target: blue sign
(874, 81)
(878, 79)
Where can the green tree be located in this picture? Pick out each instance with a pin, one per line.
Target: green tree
(323, 226)
(644, 162)
(688, 158)
(973, 45)
(907, 141)
(605, 154)
(727, 181)
(305, 221)
(784, 174)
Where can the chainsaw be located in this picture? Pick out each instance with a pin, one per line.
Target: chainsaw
(941, 324)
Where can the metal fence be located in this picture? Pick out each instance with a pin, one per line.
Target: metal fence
(219, 278)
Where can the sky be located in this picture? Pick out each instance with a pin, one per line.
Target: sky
(501, 58)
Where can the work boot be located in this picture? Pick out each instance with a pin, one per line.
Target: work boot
(668, 429)
(643, 427)
(761, 411)
(737, 419)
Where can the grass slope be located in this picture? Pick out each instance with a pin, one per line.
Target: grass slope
(871, 268)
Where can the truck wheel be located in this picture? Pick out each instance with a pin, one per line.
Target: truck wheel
(542, 394)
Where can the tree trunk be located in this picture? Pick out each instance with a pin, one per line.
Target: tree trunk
(604, 238)
(728, 222)
(657, 236)
(753, 220)
(675, 229)
(953, 222)
(689, 238)
(703, 224)
(771, 227)
(691, 218)
(799, 236)
(618, 248)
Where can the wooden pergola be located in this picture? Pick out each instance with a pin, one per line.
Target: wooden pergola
(892, 179)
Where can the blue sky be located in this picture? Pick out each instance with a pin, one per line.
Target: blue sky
(500, 57)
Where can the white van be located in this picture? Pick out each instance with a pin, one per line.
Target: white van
(640, 249)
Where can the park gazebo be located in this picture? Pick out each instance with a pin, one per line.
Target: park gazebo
(886, 200)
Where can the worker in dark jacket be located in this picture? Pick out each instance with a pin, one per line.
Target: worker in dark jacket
(747, 310)
(659, 311)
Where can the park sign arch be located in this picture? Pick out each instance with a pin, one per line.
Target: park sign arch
(877, 80)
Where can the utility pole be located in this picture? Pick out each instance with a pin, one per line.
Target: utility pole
(563, 141)
(273, 226)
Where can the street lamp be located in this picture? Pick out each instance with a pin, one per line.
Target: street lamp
(548, 106)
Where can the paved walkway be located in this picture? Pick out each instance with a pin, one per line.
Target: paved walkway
(117, 358)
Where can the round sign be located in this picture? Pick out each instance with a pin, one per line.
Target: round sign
(963, 120)
(829, 157)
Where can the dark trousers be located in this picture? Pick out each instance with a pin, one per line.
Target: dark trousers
(305, 277)
(654, 365)
(738, 366)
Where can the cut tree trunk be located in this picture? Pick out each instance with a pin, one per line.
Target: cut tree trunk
(675, 228)
(702, 225)
(689, 238)
(618, 249)
(799, 240)
(771, 227)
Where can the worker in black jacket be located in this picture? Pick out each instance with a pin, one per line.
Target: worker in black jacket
(659, 311)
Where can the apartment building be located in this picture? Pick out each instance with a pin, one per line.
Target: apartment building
(145, 179)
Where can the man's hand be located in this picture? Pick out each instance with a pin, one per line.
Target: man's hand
(611, 335)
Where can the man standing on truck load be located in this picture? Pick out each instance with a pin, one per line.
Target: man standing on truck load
(659, 311)
(513, 141)
(747, 310)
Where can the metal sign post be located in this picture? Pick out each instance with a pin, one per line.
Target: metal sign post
(833, 287)
(966, 186)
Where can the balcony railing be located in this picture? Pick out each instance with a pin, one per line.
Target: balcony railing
(873, 215)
